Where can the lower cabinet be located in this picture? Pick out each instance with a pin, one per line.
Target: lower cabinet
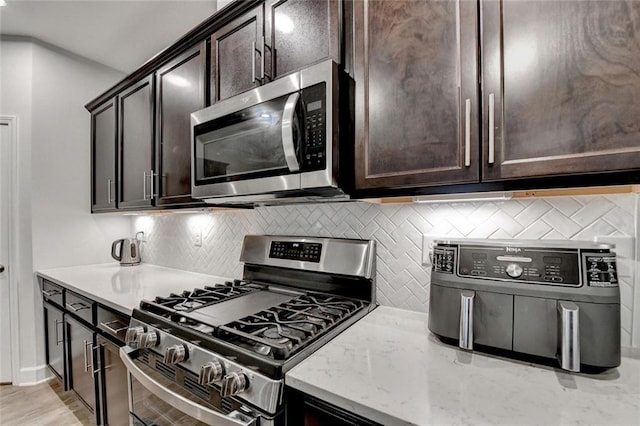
(82, 344)
(54, 338)
(110, 374)
(304, 409)
(80, 363)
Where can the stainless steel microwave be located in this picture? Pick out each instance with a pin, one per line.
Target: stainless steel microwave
(274, 142)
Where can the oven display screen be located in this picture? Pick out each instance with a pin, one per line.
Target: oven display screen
(308, 252)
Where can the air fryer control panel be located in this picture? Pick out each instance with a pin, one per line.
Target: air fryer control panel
(535, 265)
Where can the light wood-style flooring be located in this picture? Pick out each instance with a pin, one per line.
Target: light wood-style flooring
(42, 405)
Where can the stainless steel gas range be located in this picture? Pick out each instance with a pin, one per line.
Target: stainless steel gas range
(218, 355)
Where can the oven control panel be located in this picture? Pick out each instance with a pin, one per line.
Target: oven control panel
(307, 252)
(548, 266)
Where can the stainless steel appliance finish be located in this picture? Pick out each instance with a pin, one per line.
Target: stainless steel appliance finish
(126, 251)
(277, 141)
(219, 353)
(552, 300)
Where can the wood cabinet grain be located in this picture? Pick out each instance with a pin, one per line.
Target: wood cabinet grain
(103, 161)
(135, 155)
(180, 90)
(236, 55)
(416, 93)
(565, 82)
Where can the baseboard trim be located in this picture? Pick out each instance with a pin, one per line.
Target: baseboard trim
(32, 376)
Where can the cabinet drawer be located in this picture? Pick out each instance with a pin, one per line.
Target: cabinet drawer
(52, 292)
(113, 323)
(81, 307)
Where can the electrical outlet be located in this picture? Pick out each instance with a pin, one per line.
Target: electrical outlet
(197, 238)
(428, 241)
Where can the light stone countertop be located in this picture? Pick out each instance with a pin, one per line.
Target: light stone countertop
(122, 287)
(389, 368)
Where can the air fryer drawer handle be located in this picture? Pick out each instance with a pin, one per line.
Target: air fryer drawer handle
(568, 336)
(466, 320)
(288, 115)
(197, 411)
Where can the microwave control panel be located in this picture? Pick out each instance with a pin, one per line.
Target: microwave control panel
(308, 252)
(314, 148)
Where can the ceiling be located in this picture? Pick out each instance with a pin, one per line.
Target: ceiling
(122, 34)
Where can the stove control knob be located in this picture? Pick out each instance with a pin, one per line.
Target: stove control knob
(175, 354)
(148, 339)
(133, 334)
(514, 270)
(234, 383)
(211, 372)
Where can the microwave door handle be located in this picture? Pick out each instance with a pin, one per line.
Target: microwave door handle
(288, 115)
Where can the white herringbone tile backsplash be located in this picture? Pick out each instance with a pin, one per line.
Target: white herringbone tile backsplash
(402, 280)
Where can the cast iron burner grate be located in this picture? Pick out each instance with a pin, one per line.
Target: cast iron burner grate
(284, 329)
(188, 301)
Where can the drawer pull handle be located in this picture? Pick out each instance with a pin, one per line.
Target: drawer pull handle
(77, 306)
(568, 336)
(121, 326)
(51, 293)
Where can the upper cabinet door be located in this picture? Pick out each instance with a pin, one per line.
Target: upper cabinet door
(237, 52)
(416, 93)
(561, 87)
(104, 139)
(301, 33)
(135, 108)
(180, 87)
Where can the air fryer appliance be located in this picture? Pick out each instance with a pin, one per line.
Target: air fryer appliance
(548, 301)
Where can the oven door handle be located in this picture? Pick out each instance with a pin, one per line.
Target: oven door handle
(288, 115)
(192, 409)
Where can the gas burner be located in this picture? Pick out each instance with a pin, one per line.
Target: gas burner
(187, 305)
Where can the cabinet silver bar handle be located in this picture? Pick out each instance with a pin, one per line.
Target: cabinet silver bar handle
(466, 319)
(467, 132)
(253, 62)
(144, 185)
(58, 339)
(492, 143)
(87, 344)
(108, 191)
(152, 185)
(288, 115)
(568, 336)
(50, 293)
(263, 73)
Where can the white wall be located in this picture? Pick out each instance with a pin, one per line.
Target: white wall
(46, 88)
(402, 279)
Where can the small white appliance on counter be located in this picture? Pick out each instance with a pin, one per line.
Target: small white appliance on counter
(126, 251)
(552, 301)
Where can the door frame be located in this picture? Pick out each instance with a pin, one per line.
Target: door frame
(12, 261)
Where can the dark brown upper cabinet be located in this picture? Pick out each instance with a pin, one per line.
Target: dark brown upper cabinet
(300, 33)
(416, 74)
(103, 153)
(561, 87)
(180, 90)
(237, 55)
(135, 142)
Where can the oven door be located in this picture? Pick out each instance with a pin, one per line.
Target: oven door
(155, 400)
